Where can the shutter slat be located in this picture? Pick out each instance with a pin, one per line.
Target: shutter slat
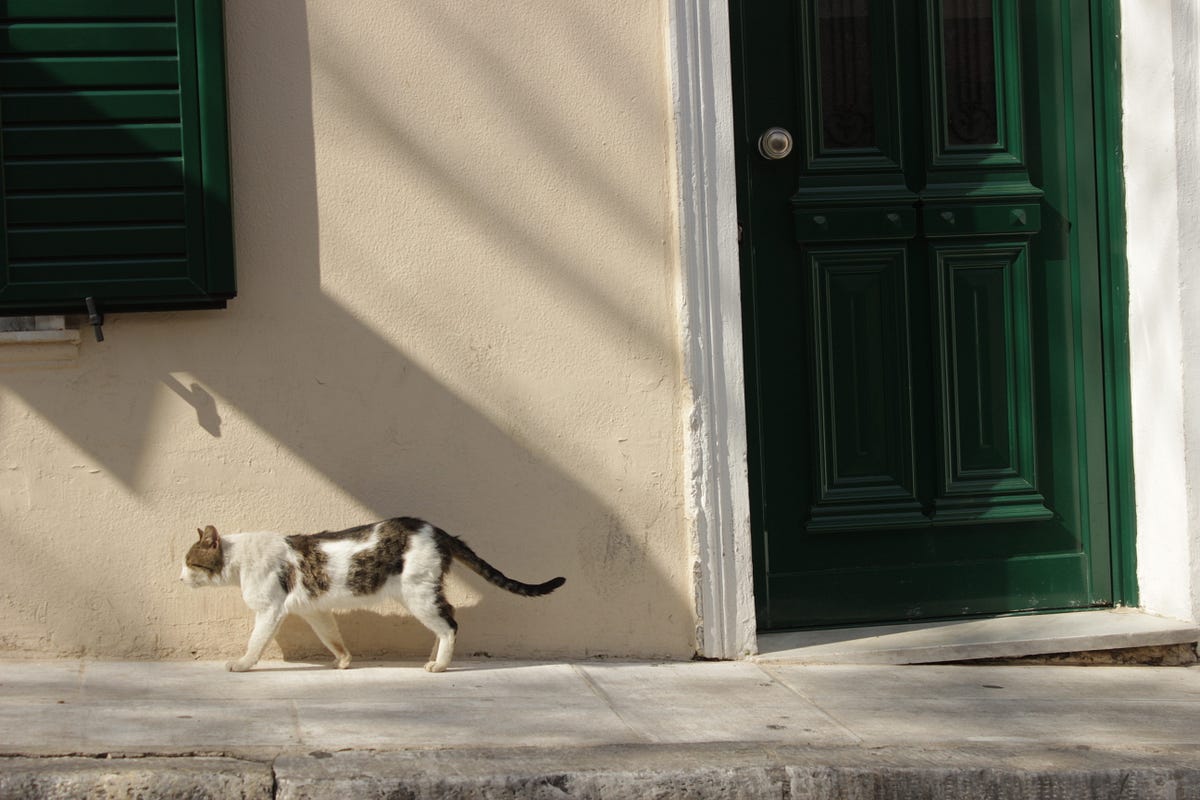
(87, 73)
(110, 106)
(92, 140)
(87, 209)
(88, 9)
(149, 38)
(48, 244)
(84, 174)
(145, 274)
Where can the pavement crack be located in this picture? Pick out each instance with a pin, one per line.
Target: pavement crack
(607, 700)
(297, 731)
(811, 701)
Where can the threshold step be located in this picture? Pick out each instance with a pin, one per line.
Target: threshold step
(968, 639)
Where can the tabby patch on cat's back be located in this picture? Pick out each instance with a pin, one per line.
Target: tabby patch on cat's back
(312, 575)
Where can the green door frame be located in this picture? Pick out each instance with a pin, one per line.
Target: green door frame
(1106, 79)
(1114, 302)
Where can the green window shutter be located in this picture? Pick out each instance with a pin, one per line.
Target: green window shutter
(115, 156)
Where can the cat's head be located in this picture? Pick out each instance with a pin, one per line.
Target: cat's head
(204, 564)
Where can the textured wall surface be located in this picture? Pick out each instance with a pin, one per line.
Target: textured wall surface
(458, 282)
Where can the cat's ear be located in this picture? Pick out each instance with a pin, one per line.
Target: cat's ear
(210, 537)
(201, 534)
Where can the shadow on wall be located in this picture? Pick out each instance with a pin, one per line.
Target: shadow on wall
(347, 404)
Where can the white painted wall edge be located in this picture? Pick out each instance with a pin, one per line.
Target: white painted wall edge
(1160, 119)
(715, 469)
(1186, 50)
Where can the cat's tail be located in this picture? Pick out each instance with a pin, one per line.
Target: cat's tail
(458, 548)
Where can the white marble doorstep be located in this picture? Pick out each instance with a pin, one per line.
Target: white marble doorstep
(959, 640)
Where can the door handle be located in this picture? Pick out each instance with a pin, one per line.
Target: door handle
(775, 144)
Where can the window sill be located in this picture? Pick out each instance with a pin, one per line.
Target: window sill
(38, 349)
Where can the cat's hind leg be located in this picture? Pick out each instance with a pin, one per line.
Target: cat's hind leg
(325, 626)
(426, 602)
(266, 622)
(443, 649)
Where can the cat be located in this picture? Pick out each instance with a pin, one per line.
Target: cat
(404, 559)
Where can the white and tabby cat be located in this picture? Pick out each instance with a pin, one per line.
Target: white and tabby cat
(311, 575)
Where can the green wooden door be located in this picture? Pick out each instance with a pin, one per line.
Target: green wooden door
(923, 308)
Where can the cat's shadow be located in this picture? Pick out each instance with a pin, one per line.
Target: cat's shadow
(369, 636)
(319, 664)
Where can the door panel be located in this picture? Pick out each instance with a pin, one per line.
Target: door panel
(922, 304)
(862, 413)
(986, 386)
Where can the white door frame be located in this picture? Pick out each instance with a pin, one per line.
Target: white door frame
(715, 462)
(1160, 95)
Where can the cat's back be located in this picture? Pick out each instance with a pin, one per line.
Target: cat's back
(332, 544)
(352, 564)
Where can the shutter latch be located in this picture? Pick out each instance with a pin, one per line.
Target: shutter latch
(95, 318)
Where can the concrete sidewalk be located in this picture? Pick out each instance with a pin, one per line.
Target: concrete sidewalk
(598, 729)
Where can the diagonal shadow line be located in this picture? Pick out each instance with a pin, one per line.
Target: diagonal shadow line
(552, 120)
(561, 265)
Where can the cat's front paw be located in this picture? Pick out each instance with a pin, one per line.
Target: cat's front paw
(238, 666)
(343, 662)
(433, 666)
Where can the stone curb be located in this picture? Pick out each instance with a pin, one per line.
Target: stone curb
(820, 783)
(168, 778)
(721, 771)
(725, 772)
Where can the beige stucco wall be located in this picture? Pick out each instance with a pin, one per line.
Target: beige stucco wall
(458, 285)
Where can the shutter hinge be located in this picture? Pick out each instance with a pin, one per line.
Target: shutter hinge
(95, 318)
